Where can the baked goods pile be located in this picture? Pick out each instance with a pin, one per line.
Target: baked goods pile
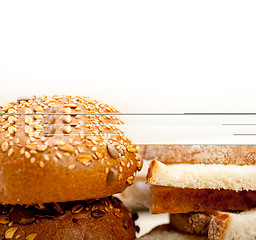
(208, 191)
(62, 157)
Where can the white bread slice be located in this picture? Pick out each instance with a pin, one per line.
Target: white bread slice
(240, 226)
(203, 176)
(164, 232)
(218, 226)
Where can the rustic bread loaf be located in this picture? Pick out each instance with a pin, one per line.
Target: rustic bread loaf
(100, 219)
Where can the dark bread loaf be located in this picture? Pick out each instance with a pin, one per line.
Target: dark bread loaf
(102, 219)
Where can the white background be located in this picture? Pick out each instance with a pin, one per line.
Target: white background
(140, 56)
(137, 55)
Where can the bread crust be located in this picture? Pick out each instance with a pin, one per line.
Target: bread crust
(183, 200)
(97, 219)
(212, 225)
(58, 158)
(196, 154)
(191, 223)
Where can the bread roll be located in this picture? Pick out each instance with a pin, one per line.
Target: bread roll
(62, 148)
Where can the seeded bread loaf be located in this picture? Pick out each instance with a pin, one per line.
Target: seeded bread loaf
(197, 154)
(62, 148)
(101, 219)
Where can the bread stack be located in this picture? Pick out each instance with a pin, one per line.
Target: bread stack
(209, 192)
(61, 160)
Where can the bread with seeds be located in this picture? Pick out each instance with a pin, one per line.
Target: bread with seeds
(101, 219)
(62, 148)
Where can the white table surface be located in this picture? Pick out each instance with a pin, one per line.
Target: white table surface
(148, 221)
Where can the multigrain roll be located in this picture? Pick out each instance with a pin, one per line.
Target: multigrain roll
(101, 219)
(58, 149)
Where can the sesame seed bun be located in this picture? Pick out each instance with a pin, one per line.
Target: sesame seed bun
(106, 218)
(54, 154)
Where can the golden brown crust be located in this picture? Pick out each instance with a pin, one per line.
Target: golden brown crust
(184, 200)
(58, 158)
(218, 224)
(208, 224)
(103, 219)
(191, 223)
(196, 154)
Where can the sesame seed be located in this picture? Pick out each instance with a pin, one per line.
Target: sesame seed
(72, 166)
(32, 160)
(99, 155)
(82, 135)
(28, 120)
(70, 105)
(10, 152)
(131, 150)
(66, 154)
(68, 110)
(67, 129)
(11, 110)
(94, 149)
(31, 147)
(41, 164)
(22, 150)
(46, 157)
(11, 119)
(37, 135)
(41, 148)
(27, 154)
(58, 155)
(93, 138)
(67, 119)
(38, 126)
(55, 160)
(28, 129)
(59, 142)
(84, 159)
(11, 129)
(38, 117)
(4, 146)
(130, 180)
(81, 149)
(67, 148)
(28, 110)
(38, 109)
